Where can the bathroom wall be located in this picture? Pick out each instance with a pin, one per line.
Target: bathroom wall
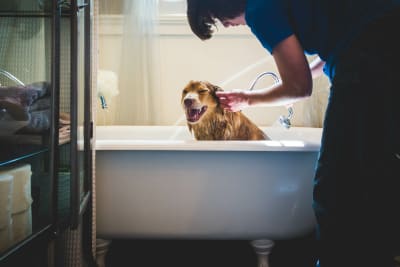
(231, 59)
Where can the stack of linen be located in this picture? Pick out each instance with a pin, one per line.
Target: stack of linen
(15, 205)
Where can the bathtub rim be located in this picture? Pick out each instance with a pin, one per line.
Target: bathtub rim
(194, 145)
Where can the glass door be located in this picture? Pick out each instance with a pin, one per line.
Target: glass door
(75, 160)
(81, 100)
(45, 121)
(27, 97)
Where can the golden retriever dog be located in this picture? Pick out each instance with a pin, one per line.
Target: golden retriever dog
(208, 121)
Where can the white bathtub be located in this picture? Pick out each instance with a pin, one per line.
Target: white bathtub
(157, 182)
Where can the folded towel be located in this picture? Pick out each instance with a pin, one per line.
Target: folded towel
(14, 108)
(39, 121)
(24, 95)
(41, 104)
(17, 99)
(8, 125)
(25, 109)
(42, 88)
(64, 134)
(64, 119)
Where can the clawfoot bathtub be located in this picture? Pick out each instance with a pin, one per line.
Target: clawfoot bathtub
(158, 182)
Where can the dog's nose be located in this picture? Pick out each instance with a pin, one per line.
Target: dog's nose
(188, 102)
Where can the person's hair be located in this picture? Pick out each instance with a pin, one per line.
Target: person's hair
(203, 14)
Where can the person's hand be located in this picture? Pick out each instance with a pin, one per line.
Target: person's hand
(233, 100)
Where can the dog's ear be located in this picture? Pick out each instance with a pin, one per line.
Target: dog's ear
(213, 88)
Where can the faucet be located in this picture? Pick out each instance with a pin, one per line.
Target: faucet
(283, 120)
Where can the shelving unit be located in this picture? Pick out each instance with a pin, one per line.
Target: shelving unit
(47, 42)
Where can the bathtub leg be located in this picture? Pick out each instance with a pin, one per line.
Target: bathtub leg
(102, 247)
(263, 248)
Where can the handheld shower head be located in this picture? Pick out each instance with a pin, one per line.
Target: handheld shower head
(283, 120)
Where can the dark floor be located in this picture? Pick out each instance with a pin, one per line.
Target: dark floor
(205, 253)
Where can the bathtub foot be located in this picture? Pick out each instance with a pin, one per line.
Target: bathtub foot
(263, 248)
(102, 247)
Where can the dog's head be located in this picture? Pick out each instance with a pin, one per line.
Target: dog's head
(199, 100)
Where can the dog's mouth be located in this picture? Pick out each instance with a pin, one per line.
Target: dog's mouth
(194, 114)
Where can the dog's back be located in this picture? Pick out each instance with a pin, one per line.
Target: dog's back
(223, 125)
(211, 121)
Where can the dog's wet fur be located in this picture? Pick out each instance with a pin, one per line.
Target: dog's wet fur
(208, 121)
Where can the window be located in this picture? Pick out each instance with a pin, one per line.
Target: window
(172, 7)
(166, 7)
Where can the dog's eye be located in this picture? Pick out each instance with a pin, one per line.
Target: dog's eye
(204, 91)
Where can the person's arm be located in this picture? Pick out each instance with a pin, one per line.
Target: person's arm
(296, 81)
(316, 67)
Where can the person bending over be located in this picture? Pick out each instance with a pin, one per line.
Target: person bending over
(356, 198)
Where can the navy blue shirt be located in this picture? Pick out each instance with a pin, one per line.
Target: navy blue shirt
(323, 27)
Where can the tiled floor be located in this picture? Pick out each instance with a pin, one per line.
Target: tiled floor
(204, 253)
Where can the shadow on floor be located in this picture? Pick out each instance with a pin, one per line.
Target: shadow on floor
(207, 253)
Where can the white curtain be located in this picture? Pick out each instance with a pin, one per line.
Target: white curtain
(138, 71)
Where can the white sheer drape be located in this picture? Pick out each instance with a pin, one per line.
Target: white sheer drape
(138, 72)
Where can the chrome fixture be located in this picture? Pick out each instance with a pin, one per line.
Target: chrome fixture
(283, 120)
(273, 75)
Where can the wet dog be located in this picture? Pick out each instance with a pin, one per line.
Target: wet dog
(208, 121)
